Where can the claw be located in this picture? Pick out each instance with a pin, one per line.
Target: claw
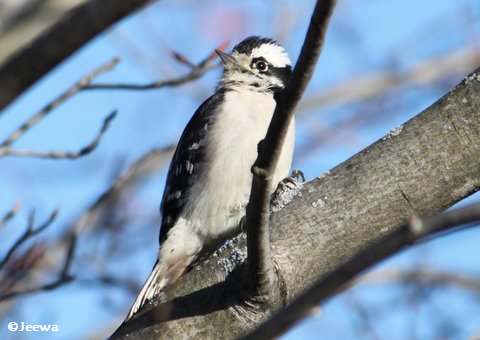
(297, 174)
(287, 188)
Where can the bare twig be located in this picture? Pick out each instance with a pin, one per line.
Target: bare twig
(73, 90)
(7, 151)
(63, 38)
(332, 283)
(148, 163)
(28, 233)
(9, 215)
(366, 322)
(257, 214)
(423, 276)
(182, 59)
(86, 84)
(63, 276)
(196, 71)
(140, 169)
(364, 87)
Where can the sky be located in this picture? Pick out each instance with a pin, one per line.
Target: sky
(364, 37)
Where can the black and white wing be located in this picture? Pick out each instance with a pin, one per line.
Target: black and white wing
(188, 163)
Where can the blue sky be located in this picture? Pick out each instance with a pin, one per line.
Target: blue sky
(365, 36)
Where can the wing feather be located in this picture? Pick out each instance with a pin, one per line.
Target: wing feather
(188, 163)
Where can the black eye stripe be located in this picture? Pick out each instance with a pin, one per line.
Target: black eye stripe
(282, 73)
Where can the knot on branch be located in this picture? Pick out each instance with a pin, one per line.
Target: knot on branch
(260, 172)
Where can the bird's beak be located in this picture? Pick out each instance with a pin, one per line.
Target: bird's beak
(227, 59)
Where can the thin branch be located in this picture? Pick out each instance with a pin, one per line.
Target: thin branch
(423, 276)
(54, 45)
(147, 164)
(73, 90)
(28, 234)
(257, 214)
(376, 84)
(86, 84)
(325, 287)
(63, 276)
(182, 59)
(196, 71)
(72, 155)
(9, 215)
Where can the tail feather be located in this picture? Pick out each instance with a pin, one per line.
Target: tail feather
(152, 287)
(176, 254)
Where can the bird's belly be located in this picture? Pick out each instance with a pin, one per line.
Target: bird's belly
(221, 199)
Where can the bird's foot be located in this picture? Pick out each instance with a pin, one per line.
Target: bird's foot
(286, 190)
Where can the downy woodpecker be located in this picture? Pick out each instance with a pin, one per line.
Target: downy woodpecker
(209, 178)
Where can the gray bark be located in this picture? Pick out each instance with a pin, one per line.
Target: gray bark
(421, 168)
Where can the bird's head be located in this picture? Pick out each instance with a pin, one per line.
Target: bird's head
(258, 64)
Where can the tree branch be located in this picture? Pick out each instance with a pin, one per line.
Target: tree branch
(196, 71)
(9, 215)
(62, 98)
(145, 165)
(72, 155)
(332, 218)
(422, 277)
(30, 232)
(257, 212)
(331, 284)
(376, 84)
(63, 276)
(57, 43)
(65, 244)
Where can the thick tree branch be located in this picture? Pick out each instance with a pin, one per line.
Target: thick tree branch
(334, 282)
(423, 167)
(63, 38)
(257, 214)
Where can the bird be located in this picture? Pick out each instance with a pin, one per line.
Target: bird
(209, 178)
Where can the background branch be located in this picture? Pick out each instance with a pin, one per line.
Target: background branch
(196, 71)
(30, 232)
(62, 98)
(363, 87)
(58, 42)
(422, 277)
(9, 215)
(63, 276)
(72, 155)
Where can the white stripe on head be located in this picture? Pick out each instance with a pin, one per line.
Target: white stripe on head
(273, 53)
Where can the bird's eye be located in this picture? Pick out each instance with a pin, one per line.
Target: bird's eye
(261, 65)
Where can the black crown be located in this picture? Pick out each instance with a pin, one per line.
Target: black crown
(248, 44)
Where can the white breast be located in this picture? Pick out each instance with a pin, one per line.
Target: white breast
(220, 199)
